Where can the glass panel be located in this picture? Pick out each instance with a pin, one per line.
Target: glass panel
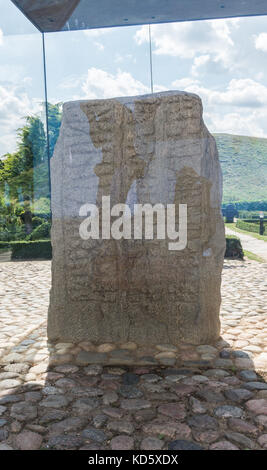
(24, 182)
(103, 63)
(126, 293)
(13, 21)
(224, 62)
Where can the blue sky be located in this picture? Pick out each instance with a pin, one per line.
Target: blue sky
(223, 61)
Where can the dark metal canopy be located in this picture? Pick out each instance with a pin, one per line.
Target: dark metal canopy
(62, 15)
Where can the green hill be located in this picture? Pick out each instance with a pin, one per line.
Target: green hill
(244, 167)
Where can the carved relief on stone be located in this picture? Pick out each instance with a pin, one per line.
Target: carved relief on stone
(137, 150)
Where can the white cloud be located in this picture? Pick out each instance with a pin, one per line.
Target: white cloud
(185, 84)
(159, 88)
(98, 83)
(96, 32)
(238, 123)
(101, 84)
(11, 73)
(260, 42)
(72, 81)
(127, 57)
(247, 98)
(239, 92)
(240, 108)
(99, 46)
(259, 76)
(1, 37)
(189, 39)
(118, 58)
(199, 62)
(27, 80)
(15, 104)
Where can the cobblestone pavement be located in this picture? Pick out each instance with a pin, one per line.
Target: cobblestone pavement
(24, 297)
(219, 402)
(249, 243)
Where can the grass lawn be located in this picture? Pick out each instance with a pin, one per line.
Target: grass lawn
(244, 164)
(252, 234)
(254, 257)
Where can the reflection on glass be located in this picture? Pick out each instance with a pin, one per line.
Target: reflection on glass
(223, 61)
(24, 183)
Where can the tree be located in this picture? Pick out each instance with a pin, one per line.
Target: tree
(26, 170)
(54, 122)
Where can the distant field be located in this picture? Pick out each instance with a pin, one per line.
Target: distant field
(244, 167)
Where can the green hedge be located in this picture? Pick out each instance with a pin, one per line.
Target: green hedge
(42, 249)
(233, 248)
(249, 226)
(41, 232)
(25, 250)
(254, 220)
(36, 221)
(249, 206)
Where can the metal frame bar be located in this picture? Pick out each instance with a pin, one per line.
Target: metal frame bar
(46, 118)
